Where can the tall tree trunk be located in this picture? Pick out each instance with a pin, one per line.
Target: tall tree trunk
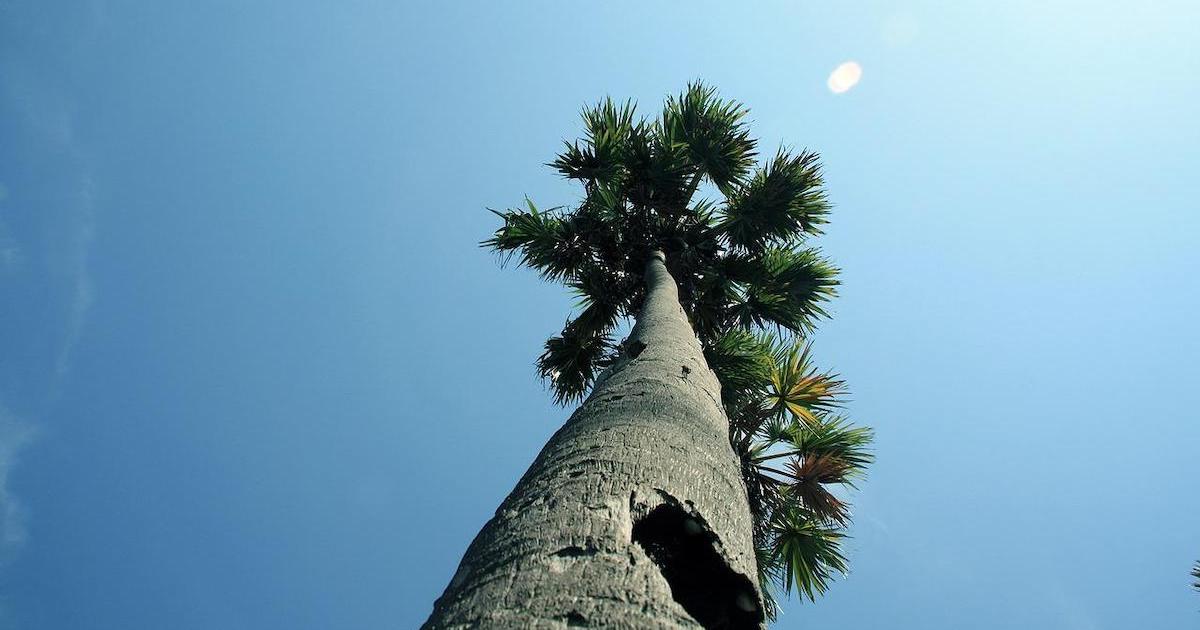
(634, 515)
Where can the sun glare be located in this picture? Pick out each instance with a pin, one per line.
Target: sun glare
(844, 77)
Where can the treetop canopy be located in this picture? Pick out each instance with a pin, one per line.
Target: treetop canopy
(739, 259)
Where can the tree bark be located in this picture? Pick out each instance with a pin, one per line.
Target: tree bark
(634, 515)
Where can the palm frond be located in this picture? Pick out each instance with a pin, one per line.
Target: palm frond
(714, 131)
(602, 221)
(690, 241)
(657, 172)
(777, 429)
(741, 360)
(785, 288)
(588, 162)
(523, 228)
(707, 296)
(782, 202)
(570, 362)
(602, 294)
(599, 157)
(554, 246)
(816, 455)
(798, 450)
(609, 119)
(769, 574)
(807, 481)
(797, 388)
(833, 437)
(807, 554)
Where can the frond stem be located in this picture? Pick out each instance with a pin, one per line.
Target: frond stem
(778, 455)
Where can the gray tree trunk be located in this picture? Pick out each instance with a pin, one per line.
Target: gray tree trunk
(634, 515)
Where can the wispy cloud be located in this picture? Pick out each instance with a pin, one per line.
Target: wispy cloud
(15, 435)
(47, 226)
(82, 291)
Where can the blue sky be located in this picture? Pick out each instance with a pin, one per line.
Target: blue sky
(256, 373)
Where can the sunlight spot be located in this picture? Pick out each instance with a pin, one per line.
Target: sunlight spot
(844, 77)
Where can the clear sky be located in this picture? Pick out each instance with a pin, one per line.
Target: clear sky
(256, 373)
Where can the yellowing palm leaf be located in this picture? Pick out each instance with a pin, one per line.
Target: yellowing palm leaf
(797, 388)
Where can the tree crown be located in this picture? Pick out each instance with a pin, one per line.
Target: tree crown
(740, 259)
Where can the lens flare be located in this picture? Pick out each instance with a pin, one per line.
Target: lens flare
(844, 77)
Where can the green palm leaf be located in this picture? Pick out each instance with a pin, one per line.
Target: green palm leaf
(785, 288)
(715, 134)
(546, 242)
(741, 360)
(832, 436)
(781, 203)
(807, 554)
(571, 361)
(599, 158)
(799, 389)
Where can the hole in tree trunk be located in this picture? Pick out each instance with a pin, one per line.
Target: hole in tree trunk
(714, 595)
(575, 620)
(574, 551)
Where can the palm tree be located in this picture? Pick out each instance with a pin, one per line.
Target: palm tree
(696, 475)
